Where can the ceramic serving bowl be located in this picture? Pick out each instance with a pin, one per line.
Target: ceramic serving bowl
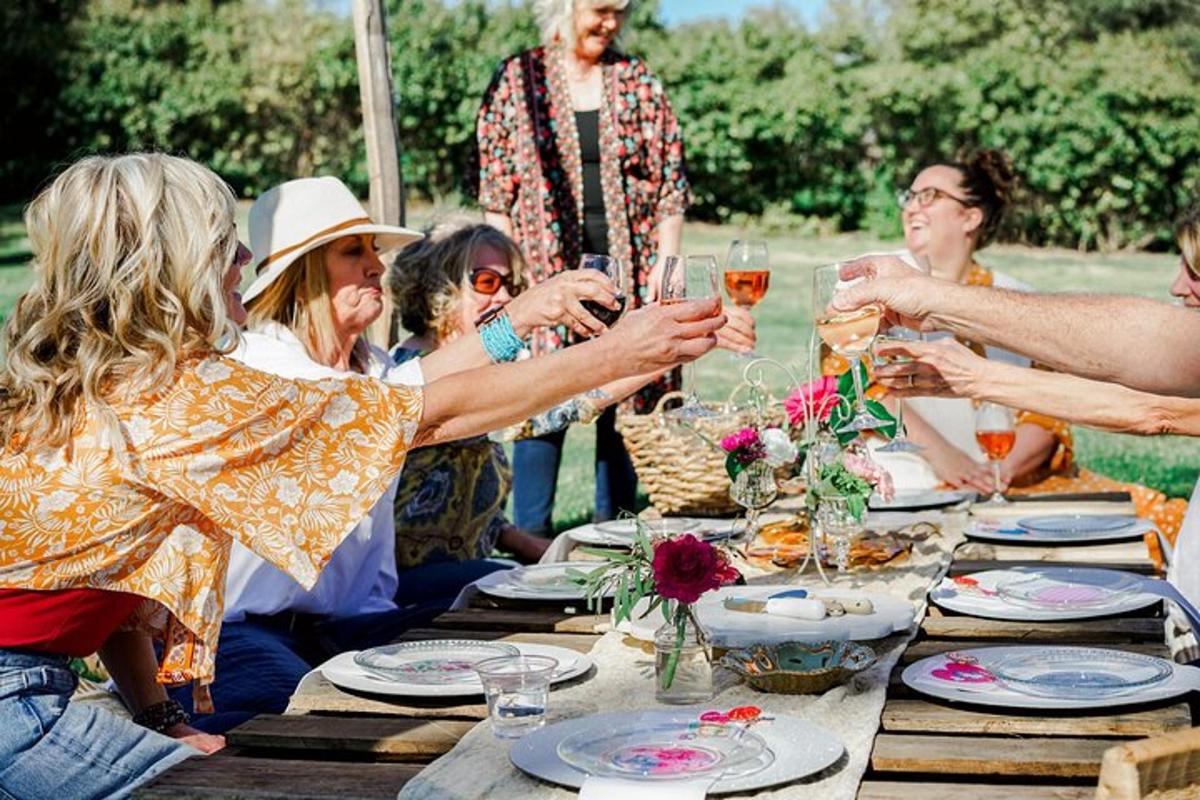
(798, 667)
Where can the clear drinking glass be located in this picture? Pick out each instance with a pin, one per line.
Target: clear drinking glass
(517, 689)
(689, 278)
(747, 275)
(849, 335)
(615, 271)
(900, 443)
(996, 432)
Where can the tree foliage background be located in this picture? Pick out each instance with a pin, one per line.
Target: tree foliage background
(1096, 100)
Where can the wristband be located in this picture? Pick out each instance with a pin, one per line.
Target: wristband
(500, 340)
(161, 716)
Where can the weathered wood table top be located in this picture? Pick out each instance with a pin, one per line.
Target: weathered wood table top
(337, 745)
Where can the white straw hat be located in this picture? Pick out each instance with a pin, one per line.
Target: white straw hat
(301, 215)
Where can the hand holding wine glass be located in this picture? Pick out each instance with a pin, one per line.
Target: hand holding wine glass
(747, 275)
(689, 278)
(996, 432)
(614, 270)
(849, 334)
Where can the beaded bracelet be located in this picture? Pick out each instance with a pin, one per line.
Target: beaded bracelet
(500, 340)
(161, 716)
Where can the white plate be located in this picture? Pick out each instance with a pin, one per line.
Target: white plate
(798, 748)
(940, 677)
(1008, 532)
(537, 582)
(1013, 593)
(342, 671)
(920, 498)
(620, 532)
(731, 629)
(1077, 524)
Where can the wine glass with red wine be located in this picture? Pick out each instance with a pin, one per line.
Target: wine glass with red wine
(747, 274)
(996, 432)
(615, 271)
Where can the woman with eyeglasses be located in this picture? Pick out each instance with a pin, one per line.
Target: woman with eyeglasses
(951, 211)
(449, 509)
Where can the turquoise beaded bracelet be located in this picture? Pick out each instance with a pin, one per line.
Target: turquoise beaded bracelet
(500, 340)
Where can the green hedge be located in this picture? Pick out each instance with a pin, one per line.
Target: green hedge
(1095, 99)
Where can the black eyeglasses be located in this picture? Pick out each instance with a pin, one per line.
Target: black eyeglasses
(926, 196)
(488, 281)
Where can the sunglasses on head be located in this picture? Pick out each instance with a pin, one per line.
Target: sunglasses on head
(488, 281)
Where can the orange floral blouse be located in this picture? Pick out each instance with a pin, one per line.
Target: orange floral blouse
(287, 467)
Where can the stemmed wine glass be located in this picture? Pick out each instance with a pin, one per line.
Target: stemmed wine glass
(689, 278)
(996, 432)
(615, 271)
(747, 275)
(900, 443)
(849, 334)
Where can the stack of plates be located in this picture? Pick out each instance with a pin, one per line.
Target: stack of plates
(660, 746)
(1062, 529)
(1050, 677)
(1043, 593)
(439, 668)
(621, 532)
(538, 582)
(916, 499)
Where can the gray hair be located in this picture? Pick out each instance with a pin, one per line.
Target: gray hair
(556, 18)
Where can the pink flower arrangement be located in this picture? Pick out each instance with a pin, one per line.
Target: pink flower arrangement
(814, 399)
(872, 473)
(686, 567)
(745, 446)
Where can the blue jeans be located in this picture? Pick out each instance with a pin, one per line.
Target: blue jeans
(535, 476)
(433, 587)
(261, 660)
(52, 749)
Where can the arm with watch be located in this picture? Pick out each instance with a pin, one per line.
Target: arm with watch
(554, 301)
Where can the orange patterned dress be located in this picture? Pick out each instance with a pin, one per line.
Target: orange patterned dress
(287, 467)
(1060, 473)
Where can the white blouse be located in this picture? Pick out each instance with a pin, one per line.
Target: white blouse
(360, 577)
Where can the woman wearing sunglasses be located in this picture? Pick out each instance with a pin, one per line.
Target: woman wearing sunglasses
(318, 289)
(450, 502)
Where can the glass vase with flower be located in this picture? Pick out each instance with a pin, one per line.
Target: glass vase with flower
(671, 573)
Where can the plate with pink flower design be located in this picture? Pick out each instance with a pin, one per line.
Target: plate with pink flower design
(1043, 593)
(1046, 677)
(739, 752)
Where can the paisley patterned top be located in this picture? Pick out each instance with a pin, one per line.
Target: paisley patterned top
(450, 501)
(530, 169)
(287, 467)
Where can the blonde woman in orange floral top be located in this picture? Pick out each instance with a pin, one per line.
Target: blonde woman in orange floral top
(136, 452)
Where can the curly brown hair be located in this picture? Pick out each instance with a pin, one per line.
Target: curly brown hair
(990, 185)
(428, 277)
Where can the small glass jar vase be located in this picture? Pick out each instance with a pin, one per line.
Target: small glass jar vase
(683, 672)
(839, 528)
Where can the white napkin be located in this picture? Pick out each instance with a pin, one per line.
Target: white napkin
(598, 788)
(559, 549)
(796, 607)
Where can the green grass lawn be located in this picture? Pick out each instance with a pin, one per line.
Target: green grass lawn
(784, 324)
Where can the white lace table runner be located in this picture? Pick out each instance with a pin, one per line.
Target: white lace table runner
(478, 766)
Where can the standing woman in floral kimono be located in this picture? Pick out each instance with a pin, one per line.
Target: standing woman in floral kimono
(579, 152)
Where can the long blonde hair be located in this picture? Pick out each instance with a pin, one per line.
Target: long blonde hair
(1187, 234)
(129, 257)
(299, 300)
(556, 18)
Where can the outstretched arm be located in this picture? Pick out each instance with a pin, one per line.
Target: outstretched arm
(1133, 341)
(946, 368)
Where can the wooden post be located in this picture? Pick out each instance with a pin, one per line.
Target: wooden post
(379, 129)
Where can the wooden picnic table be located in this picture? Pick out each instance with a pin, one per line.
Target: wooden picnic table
(337, 745)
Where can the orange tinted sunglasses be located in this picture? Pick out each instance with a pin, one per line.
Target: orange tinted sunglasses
(488, 281)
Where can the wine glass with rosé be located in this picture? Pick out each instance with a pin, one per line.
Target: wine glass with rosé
(689, 278)
(747, 275)
(996, 432)
(849, 334)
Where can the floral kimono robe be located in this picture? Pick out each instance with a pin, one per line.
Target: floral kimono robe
(287, 467)
(530, 169)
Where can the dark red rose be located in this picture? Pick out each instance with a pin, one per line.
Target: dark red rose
(685, 568)
(727, 574)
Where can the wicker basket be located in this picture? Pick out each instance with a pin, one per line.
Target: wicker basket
(1160, 768)
(681, 473)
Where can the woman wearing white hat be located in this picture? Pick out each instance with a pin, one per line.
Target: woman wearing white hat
(319, 286)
